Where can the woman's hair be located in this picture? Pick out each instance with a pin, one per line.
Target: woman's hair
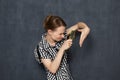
(53, 22)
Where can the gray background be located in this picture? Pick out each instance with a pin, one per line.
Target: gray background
(21, 29)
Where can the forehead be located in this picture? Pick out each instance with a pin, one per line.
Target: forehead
(60, 29)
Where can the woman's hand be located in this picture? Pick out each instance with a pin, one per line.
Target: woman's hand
(84, 29)
(67, 44)
(80, 27)
(84, 33)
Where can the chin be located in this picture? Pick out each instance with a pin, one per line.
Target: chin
(58, 39)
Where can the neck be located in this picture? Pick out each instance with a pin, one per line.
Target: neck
(50, 40)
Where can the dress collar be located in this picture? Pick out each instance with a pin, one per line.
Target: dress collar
(44, 42)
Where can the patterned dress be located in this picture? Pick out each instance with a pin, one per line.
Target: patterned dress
(48, 52)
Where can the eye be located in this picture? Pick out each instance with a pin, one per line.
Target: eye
(64, 33)
(61, 33)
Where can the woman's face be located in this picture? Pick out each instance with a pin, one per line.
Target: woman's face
(58, 33)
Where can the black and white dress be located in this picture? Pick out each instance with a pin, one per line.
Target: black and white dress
(48, 52)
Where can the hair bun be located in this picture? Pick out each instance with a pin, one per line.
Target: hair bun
(47, 19)
(52, 22)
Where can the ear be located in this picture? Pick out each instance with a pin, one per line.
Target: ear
(50, 31)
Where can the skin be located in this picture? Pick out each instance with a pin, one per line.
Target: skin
(58, 34)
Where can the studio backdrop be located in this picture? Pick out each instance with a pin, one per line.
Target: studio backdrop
(21, 29)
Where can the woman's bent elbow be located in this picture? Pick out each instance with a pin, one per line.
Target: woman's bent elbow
(53, 71)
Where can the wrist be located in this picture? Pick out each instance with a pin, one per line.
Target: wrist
(62, 49)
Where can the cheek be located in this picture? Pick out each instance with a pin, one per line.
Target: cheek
(56, 36)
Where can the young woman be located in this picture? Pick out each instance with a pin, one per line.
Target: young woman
(53, 45)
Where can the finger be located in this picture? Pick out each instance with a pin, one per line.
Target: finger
(70, 44)
(80, 44)
(79, 30)
(69, 39)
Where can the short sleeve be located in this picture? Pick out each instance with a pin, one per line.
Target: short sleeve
(43, 53)
(40, 53)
